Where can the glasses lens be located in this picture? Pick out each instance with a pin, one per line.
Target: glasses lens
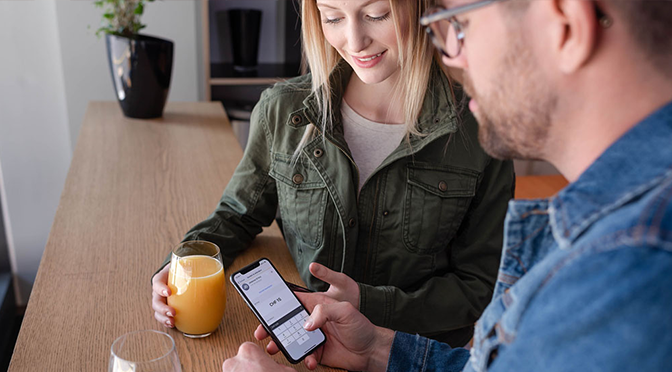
(444, 34)
(452, 42)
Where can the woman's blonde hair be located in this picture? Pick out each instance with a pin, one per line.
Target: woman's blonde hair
(415, 58)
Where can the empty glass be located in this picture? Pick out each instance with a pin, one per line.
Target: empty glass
(144, 351)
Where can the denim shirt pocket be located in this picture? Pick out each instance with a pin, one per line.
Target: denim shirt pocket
(302, 198)
(436, 200)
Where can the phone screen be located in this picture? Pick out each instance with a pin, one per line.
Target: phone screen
(279, 308)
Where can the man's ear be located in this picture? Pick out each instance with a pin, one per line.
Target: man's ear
(575, 34)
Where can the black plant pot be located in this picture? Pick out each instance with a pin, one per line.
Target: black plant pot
(141, 67)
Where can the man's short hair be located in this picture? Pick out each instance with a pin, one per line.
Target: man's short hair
(650, 22)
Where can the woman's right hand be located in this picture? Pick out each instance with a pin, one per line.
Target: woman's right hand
(160, 292)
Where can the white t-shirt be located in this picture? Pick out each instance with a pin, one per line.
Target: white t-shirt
(369, 142)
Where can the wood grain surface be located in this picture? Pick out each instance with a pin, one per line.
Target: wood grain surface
(133, 189)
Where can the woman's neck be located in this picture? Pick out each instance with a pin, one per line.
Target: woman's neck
(379, 102)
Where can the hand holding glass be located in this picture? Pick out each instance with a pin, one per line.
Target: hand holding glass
(198, 288)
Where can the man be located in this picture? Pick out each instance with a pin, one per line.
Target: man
(585, 277)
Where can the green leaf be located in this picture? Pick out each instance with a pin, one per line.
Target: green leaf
(109, 15)
(139, 9)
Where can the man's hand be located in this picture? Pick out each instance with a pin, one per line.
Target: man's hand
(353, 342)
(251, 358)
(341, 286)
(160, 292)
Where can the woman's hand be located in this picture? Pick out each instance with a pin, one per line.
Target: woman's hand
(160, 292)
(341, 286)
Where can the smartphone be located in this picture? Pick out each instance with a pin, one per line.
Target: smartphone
(277, 308)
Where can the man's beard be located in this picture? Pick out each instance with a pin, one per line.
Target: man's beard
(515, 116)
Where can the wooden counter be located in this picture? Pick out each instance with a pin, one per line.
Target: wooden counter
(533, 187)
(133, 189)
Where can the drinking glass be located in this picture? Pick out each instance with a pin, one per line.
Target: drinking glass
(144, 351)
(198, 287)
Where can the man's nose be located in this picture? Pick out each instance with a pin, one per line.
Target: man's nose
(358, 38)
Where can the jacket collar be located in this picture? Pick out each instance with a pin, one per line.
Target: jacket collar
(634, 164)
(437, 117)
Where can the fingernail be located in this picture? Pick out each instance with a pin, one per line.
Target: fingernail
(168, 324)
(165, 293)
(319, 270)
(308, 324)
(168, 313)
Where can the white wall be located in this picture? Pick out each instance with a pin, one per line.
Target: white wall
(85, 69)
(51, 66)
(34, 137)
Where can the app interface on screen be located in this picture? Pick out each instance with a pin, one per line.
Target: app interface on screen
(276, 304)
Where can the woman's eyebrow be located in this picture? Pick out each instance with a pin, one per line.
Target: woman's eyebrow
(321, 4)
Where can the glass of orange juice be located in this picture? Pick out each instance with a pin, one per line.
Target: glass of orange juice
(198, 287)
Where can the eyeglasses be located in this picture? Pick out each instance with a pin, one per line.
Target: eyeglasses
(446, 32)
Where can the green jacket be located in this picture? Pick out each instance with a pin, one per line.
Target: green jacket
(423, 240)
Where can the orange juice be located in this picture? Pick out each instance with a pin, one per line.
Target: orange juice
(198, 293)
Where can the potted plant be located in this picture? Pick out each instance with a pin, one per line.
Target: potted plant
(141, 66)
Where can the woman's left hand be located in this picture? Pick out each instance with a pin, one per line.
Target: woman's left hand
(341, 286)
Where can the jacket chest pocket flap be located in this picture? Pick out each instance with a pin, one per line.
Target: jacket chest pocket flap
(302, 197)
(436, 201)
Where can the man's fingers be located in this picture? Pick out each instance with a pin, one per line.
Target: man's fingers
(309, 300)
(272, 348)
(310, 362)
(260, 333)
(328, 312)
(248, 349)
(327, 275)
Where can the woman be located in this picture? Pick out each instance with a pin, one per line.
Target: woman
(375, 173)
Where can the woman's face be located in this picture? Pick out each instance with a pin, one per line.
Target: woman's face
(362, 31)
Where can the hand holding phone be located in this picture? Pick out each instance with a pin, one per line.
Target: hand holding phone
(278, 309)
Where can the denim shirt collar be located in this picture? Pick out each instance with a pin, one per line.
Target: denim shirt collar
(633, 164)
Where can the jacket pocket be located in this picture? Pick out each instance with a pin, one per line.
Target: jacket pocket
(302, 197)
(437, 199)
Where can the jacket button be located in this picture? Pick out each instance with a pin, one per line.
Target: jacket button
(443, 186)
(318, 153)
(297, 179)
(297, 119)
(351, 223)
(385, 213)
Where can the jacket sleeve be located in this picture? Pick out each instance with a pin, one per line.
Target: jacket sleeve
(249, 201)
(466, 288)
(609, 310)
(415, 353)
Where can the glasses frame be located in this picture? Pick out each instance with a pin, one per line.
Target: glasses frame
(450, 14)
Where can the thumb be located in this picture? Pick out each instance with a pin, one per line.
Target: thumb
(323, 313)
(327, 275)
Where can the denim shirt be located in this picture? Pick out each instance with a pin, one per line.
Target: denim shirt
(585, 280)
